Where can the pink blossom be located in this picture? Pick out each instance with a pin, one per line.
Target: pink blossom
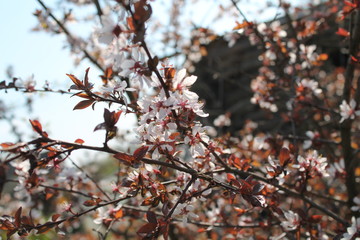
(312, 164)
(66, 207)
(194, 140)
(186, 211)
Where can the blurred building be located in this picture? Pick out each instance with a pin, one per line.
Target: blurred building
(225, 72)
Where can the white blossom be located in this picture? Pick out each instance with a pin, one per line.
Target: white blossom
(347, 111)
(353, 230)
(313, 163)
(291, 222)
(222, 120)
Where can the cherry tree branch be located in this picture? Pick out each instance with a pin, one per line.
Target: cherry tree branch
(208, 178)
(64, 190)
(346, 125)
(78, 215)
(168, 216)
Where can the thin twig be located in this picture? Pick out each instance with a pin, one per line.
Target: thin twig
(192, 180)
(91, 179)
(346, 125)
(69, 35)
(67, 190)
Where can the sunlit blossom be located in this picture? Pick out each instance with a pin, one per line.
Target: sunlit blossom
(313, 164)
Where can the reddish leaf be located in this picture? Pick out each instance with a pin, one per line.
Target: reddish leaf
(343, 32)
(116, 116)
(140, 153)
(131, 23)
(55, 217)
(18, 217)
(100, 126)
(36, 126)
(43, 229)
(242, 25)
(82, 95)
(354, 59)
(174, 135)
(49, 193)
(76, 81)
(236, 183)
(240, 211)
(117, 30)
(111, 118)
(118, 214)
(230, 177)
(246, 187)
(146, 229)
(322, 57)
(148, 201)
(284, 156)
(315, 218)
(142, 11)
(151, 217)
(7, 225)
(201, 230)
(27, 221)
(350, 4)
(107, 75)
(33, 180)
(83, 104)
(79, 141)
(125, 158)
(6, 145)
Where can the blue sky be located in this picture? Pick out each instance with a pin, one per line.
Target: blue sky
(42, 55)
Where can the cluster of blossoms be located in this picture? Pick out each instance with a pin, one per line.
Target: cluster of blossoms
(281, 61)
(163, 116)
(276, 170)
(312, 164)
(310, 86)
